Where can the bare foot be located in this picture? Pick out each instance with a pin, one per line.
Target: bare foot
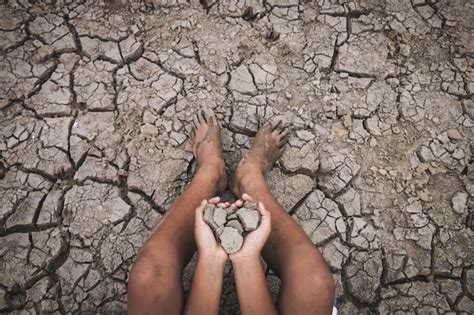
(267, 147)
(206, 141)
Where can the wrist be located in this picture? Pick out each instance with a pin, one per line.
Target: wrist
(237, 260)
(215, 260)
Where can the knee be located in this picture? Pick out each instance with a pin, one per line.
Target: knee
(309, 289)
(314, 273)
(323, 283)
(150, 274)
(144, 273)
(320, 275)
(315, 294)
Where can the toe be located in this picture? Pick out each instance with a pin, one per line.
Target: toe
(279, 132)
(196, 121)
(276, 123)
(283, 134)
(284, 137)
(210, 116)
(202, 116)
(195, 124)
(267, 125)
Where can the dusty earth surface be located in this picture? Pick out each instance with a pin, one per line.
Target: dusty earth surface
(96, 100)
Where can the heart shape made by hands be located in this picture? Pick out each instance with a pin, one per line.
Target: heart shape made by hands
(231, 225)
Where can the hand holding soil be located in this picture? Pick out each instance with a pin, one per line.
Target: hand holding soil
(242, 229)
(255, 240)
(205, 240)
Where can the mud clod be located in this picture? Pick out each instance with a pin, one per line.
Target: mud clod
(208, 215)
(243, 220)
(231, 239)
(236, 225)
(249, 218)
(220, 217)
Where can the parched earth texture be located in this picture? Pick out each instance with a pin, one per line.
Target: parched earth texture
(96, 102)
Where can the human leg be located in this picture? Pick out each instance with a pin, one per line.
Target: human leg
(307, 285)
(155, 284)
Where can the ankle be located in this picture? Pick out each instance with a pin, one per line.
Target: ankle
(213, 171)
(209, 161)
(249, 181)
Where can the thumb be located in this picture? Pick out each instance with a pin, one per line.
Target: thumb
(265, 215)
(199, 212)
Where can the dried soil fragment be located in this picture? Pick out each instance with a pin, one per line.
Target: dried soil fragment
(249, 218)
(220, 217)
(231, 240)
(230, 210)
(236, 224)
(208, 215)
(251, 205)
(229, 225)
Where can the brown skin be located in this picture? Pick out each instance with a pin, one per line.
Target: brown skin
(248, 272)
(249, 275)
(206, 287)
(289, 252)
(155, 285)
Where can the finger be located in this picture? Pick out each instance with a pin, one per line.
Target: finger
(223, 204)
(263, 211)
(246, 197)
(237, 204)
(199, 212)
(265, 216)
(261, 208)
(215, 199)
(201, 206)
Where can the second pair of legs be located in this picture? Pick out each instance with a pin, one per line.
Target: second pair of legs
(155, 281)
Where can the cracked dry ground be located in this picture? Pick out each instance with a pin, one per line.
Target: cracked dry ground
(96, 101)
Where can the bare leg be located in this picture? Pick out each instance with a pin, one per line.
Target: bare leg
(307, 285)
(155, 284)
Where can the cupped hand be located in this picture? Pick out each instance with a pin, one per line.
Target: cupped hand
(255, 240)
(205, 241)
